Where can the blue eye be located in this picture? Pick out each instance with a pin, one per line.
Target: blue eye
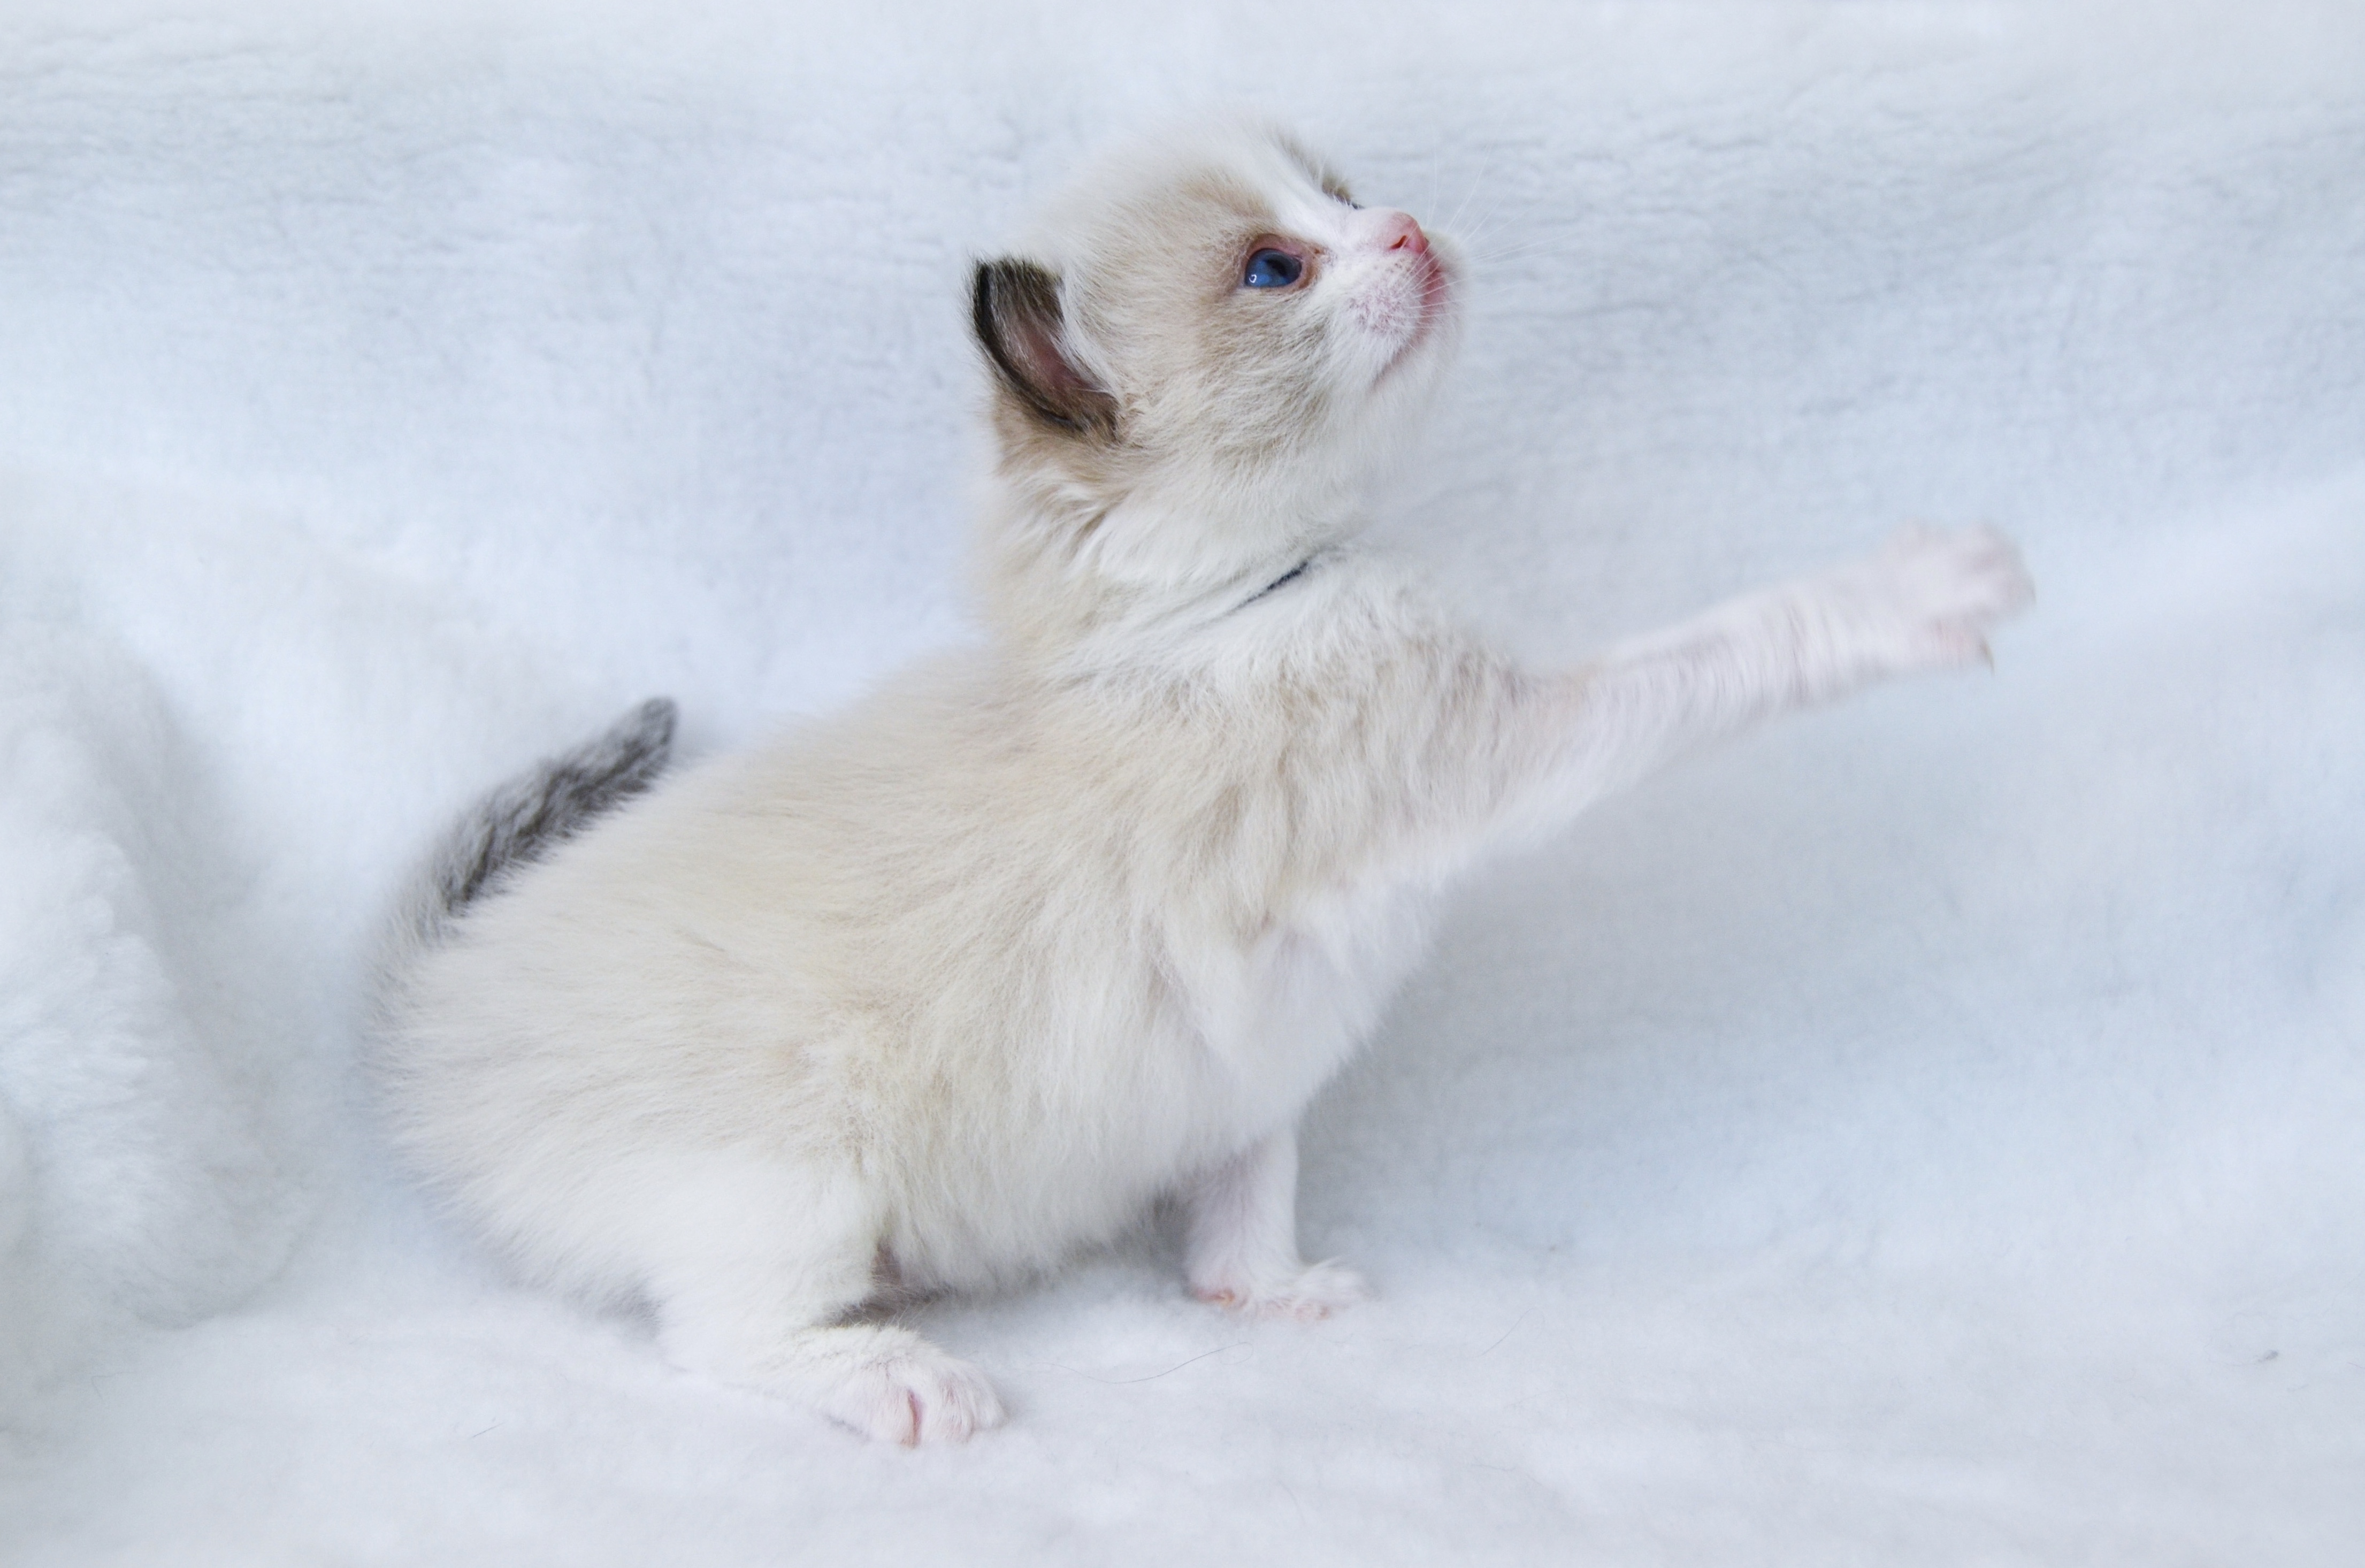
(1273, 269)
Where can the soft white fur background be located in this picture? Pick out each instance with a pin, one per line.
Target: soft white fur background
(1927, 1133)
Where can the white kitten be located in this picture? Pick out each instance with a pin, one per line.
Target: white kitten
(930, 994)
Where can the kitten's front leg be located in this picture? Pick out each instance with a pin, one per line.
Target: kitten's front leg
(1926, 602)
(1243, 1240)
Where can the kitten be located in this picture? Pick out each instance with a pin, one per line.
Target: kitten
(932, 994)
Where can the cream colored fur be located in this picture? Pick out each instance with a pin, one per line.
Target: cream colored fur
(932, 994)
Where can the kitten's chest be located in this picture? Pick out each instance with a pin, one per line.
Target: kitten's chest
(1289, 1007)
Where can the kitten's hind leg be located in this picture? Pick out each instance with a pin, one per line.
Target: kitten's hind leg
(757, 1267)
(1243, 1240)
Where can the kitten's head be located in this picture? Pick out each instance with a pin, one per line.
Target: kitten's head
(1202, 353)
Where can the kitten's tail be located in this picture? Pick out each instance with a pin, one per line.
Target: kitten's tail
(525, 818)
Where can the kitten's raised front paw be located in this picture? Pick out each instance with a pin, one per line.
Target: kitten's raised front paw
(915, 1395)
(1937, 594)
(1313, 1291)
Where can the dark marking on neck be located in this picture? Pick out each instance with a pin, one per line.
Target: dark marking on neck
(1281, 581)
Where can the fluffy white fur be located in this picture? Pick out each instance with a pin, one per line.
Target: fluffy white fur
(932, 994)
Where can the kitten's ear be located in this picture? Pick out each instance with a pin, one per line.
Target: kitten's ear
(1015, 309)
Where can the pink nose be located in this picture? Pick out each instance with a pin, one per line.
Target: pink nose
(1399, 232)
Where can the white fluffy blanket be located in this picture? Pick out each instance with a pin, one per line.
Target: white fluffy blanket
(1925, 1133)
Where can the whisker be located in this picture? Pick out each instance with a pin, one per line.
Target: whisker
(1491, 257)
(1487, 229)
(1475, 185)
(1520, 248)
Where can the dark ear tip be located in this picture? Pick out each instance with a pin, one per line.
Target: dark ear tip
(1012, 280)
(1001, 286)
(980, 303)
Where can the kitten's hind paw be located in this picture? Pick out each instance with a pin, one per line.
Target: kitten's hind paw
(1313, 1293)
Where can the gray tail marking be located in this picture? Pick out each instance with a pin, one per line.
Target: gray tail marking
(525, 818)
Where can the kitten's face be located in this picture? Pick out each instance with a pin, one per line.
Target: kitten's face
(1219, 308)
(1241, 297)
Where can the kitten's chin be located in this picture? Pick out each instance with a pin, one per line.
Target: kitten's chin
(1437, 303)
